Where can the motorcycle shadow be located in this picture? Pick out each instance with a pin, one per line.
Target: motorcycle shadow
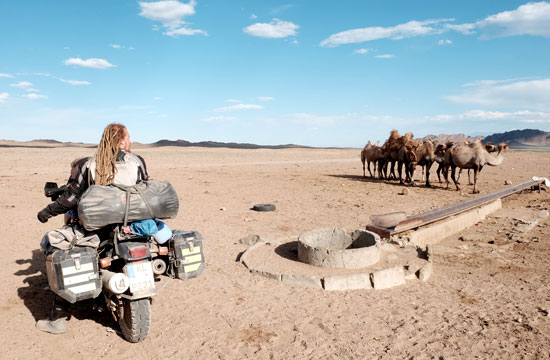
(38, 298)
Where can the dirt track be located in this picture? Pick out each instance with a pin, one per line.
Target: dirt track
(488, 298)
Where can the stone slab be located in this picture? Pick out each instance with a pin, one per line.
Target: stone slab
(267, 274)
(387, 278)
(425, 272)
(347, 282)
(303, 280)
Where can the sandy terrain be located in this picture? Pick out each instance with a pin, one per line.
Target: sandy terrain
(488, 297)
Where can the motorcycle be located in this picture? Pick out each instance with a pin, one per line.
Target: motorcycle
(125, 268)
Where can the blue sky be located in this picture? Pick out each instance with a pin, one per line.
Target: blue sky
(307, 72)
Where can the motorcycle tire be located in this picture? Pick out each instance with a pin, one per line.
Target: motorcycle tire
(135, 322)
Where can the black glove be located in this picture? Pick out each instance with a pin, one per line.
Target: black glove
(43, 215)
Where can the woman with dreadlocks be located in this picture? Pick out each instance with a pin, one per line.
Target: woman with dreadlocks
(113, 163)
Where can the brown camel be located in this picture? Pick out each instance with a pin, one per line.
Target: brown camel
(474, 156)
(425, 154)
(371, 153)
(406, 156)
(391, 149)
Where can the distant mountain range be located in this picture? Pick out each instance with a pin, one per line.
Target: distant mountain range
(517, 139)
(522, 139)
(215, 144)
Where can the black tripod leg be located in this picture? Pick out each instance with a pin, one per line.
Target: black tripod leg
(53, 313)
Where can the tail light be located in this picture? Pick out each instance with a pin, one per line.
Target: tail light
(163, 250)
(105, 262)
(138, 251)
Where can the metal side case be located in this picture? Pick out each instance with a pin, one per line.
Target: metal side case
(187, 253)
(73, 274)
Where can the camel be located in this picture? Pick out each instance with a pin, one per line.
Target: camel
(490, 148)
(474, 156)
(443, 159)
(406, 156)
(391, 149)
(425, 154)
(371, 153)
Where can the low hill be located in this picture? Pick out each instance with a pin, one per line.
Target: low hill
(526, 138)
(231, 145)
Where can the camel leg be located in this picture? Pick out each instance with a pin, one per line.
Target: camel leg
(393, 170)
(428, 167)
(458, 177)
(400, 171)
(476, 191)
(446, 175)
(469, 180)
(364, 175)
(368, 167)
(411, 170)
(438, 171)
(453, 176)
(382, 169)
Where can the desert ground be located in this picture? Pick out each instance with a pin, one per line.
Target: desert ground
(488, 297)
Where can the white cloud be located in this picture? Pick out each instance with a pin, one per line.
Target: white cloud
(266, 98)
(444, 42)
(233, 101)
(75, 82)
(253, 16)
(22, 85)
(32, 90)
(275, 29)
(171, 14)
(398, 32)
(465, 29)
(525, 116)
(361, 51)
(237, 107)
(158, 98)
(529, 19)
(115, 46)
(93, 63)
(219, 119)
(3, 97)
(385, 56)
(6, 75)
(35, 96)
(524, 93)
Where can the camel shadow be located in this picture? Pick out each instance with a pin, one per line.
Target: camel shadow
(39, 299)
(435, 185)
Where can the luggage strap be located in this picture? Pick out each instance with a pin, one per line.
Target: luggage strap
(128, 190)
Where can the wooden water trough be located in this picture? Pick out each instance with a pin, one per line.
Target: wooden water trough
(476, 208)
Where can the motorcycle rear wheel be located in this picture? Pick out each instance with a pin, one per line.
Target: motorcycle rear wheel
(135, 322)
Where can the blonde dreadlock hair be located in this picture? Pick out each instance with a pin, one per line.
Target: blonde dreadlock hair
(106, 153)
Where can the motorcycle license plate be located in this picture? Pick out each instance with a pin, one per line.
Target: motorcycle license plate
(140, 274)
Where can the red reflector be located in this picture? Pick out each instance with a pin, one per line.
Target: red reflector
(105, 262)
(163, 250)
(138, 251)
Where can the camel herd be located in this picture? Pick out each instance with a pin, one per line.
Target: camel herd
(408, 153)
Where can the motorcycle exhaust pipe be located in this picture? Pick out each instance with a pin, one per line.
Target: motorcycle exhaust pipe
(117, 283)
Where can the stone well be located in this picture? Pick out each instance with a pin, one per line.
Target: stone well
(334, 248)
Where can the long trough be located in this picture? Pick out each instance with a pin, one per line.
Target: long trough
(418, 220)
